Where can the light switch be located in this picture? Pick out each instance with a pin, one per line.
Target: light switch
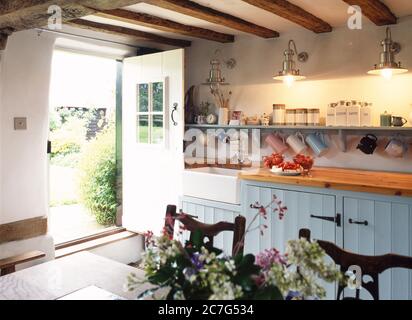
(20, 123)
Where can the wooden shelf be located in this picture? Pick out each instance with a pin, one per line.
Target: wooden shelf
(303, 128)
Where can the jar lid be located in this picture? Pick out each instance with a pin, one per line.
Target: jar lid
(290, 110)
(301, 110)
(279, 106)
(313, 110)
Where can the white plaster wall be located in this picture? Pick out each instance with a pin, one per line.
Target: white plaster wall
(336, 71)
(25, 77)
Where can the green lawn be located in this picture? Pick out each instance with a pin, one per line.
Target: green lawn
(143, 134)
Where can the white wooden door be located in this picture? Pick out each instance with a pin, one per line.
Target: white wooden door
(153, 85)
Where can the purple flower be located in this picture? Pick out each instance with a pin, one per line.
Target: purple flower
(195, 259)
(268, 258)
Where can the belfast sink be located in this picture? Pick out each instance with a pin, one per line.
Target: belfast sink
(216, 184)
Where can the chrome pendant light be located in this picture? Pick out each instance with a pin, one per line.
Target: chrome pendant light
(290, 74)
(215, 78)
(387, 66)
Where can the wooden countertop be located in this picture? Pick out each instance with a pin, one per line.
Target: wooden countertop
(387, 183)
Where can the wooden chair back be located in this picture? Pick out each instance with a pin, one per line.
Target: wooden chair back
(209, 230)
(369, 265)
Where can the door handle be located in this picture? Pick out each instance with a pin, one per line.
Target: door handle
(365, 222)
(173, 111)
(336, 219)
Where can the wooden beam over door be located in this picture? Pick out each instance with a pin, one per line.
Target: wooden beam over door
(121, 31)
(150, 21)
(198, 11)
(376, 11)
(293, 13)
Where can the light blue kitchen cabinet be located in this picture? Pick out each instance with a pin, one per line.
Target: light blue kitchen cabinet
(388, 230)
(212, 212)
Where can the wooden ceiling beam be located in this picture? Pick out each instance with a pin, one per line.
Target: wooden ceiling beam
(376, 11)
(294, 13)
(121, 31)
(198, 11)
(29, 14)
(4, 35)
(150, 21)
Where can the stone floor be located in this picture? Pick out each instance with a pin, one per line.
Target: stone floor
(72, 222)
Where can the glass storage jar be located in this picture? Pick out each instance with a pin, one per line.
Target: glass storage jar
(290, 117)
(279, 114)
(301, 118)
(313, 117)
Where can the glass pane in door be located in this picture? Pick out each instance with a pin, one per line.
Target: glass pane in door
(157, 96)
(157, 129)
(143, 97)
(143, 129)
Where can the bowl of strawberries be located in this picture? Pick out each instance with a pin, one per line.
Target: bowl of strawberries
(306, 162)
(274, 160)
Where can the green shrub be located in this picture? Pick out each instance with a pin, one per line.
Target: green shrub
(98, 177)
(69, 138)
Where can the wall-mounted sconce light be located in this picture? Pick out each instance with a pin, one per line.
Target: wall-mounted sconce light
(290, 74)
(215, 79)
(387, 66)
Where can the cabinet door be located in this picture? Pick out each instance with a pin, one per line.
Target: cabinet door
(212, 213)
(388, 231)
(301, 205)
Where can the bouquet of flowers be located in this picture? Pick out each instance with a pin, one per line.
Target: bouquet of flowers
(199, 272)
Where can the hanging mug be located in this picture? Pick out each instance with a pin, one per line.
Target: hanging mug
(297, 142)
(398, 121)
(317, 143)
(396, 148)
(277, 143)
(368, 144)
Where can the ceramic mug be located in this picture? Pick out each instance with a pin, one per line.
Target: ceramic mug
(368, 144)
(223, 137)
(395, 148)
(398, 121)
(317, 143)
(297, 142)
(277, 143)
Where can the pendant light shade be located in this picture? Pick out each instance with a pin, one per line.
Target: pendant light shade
(289, 73)
(387, 65)
(215, 78)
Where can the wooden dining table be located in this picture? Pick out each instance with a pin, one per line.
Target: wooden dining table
(61, 277)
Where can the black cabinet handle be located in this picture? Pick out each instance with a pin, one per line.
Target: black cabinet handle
(365, 222)
(173, 111)
(335, 219)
